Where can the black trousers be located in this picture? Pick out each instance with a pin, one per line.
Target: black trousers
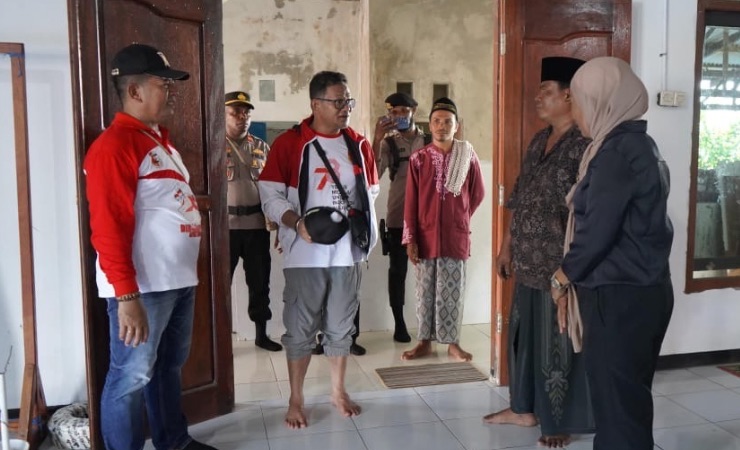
(623, 329)
(399, 262)
(253, 247)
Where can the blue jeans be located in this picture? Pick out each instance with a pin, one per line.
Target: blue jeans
(149, 374)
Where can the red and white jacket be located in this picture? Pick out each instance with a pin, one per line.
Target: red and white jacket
(278, 185)
(144, 217)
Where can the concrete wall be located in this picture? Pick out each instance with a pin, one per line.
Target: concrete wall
(437, 42)
(288, 42)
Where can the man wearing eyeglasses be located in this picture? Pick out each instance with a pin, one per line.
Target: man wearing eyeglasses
(146, 230)
(322, 280)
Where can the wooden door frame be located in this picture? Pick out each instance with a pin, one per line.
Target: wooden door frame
(85, 24)
(510, 142)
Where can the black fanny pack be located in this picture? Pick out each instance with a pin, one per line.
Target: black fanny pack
(359, 222)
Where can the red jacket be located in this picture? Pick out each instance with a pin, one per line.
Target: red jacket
(278, 183)
(144, 217)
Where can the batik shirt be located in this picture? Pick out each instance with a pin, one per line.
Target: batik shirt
(538, 204)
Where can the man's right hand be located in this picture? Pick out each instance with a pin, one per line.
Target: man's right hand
(303, 232)
(503, 263)
(412, 251)
(383, 126)
(133, 327)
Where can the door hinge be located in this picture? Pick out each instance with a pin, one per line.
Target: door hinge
(502, 44)
(500, 195)
(499, 323)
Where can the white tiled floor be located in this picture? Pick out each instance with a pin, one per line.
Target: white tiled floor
(695, 409)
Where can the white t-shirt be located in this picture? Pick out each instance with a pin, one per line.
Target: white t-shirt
(323, 192)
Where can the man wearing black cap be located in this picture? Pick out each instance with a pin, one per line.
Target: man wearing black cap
(443, 190)
(146, 231)
(548, 383)
(319, 173)
(249, 232)
(396, 138)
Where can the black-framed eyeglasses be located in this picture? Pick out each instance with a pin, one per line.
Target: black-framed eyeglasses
(340, 103)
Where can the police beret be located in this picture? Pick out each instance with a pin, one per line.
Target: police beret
(400, 99)
(325, 225)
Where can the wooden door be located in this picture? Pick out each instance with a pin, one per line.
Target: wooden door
(189, 33)
(532, 30)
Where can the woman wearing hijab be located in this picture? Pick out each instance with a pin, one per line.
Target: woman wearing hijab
(617, 246)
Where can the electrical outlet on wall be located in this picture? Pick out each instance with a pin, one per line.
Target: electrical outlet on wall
(671, 98)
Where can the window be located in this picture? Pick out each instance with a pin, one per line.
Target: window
(405, 87)
(440, 90)
(714, 219)
(267, 90)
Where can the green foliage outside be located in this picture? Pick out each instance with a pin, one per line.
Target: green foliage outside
(718, 146)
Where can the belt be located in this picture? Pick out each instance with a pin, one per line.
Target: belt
(245, 210)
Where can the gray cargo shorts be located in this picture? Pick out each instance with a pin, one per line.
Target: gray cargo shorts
(320, 299)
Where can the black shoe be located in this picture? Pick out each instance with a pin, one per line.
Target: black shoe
(195, 445)
(357, 349)
(268, 344)
(401, 335)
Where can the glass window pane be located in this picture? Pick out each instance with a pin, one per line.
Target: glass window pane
(717, 227)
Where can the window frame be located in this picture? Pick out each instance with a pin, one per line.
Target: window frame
(702, 284)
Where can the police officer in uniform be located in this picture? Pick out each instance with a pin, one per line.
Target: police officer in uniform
(249, 231)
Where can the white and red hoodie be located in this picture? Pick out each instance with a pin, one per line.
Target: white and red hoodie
(279, 181)
(144, 217)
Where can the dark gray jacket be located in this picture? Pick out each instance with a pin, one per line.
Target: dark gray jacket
(623, 234)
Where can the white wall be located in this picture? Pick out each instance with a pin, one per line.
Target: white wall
(42, 27)
(706, 321)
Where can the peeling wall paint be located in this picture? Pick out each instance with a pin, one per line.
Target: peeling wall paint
(438, 41)
(289, 41)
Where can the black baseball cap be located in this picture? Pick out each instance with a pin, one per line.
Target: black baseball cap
(400, 99)
(239, 98)
(325, 225)
(137, 59)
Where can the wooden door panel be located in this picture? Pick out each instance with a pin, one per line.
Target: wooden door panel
(535, 29)
(189, 33)
(583, 47)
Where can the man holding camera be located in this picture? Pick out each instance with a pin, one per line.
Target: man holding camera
(321, 169)
(396, 138)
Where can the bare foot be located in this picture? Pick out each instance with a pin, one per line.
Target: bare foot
(345, 406)
(556, 441)
(455, 352)
(422, 349)
(295, 418)
(509, 417)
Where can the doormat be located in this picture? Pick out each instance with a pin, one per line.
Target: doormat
(429, 375)
(733, 369)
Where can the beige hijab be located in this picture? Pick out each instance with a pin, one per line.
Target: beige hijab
(607, 93)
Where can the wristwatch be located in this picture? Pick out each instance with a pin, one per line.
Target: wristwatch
(556, 284)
